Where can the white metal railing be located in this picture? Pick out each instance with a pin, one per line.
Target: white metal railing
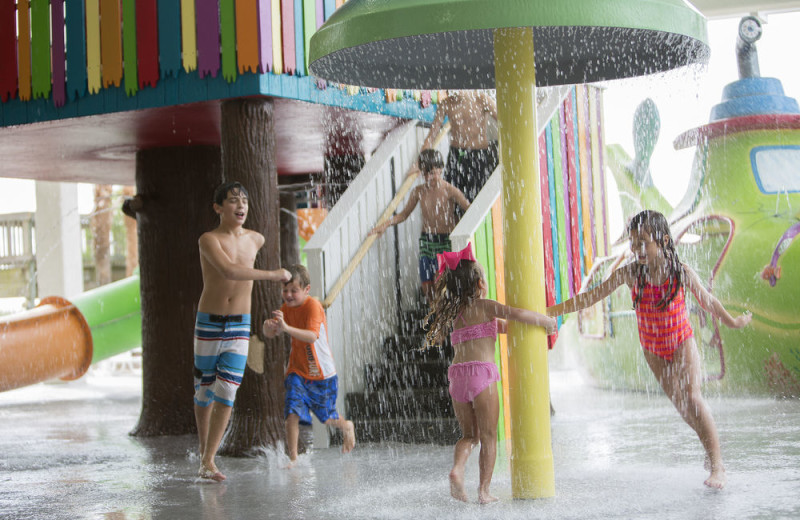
(16, 239)
(548, 101)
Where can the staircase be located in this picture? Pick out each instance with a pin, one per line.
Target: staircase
(406, 398)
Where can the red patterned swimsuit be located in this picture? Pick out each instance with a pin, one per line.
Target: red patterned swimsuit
(661, 331)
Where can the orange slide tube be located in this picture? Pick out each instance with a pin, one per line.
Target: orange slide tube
(52, 340)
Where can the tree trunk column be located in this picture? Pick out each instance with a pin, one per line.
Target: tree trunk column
(176, 186)
(248, 156)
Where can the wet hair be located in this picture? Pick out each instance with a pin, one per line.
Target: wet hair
(221, 193)
(654, 223)
(430, 160)
(299, 275)
(453, 292)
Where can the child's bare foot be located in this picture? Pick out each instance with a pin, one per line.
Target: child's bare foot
(484, 497)
(292, 463)
(349, 433)
(717, 479)
(211, 473)
(457, 486)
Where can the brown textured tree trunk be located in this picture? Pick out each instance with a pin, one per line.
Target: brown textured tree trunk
(176, 186)
(101, 233)
(248, 156)
(131, 240)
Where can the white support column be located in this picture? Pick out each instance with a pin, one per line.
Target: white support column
(59, 264)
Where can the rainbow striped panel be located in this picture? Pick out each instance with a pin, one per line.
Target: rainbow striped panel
(564, 209)
(586, 178)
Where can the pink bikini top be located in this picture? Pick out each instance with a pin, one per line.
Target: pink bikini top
(487, 329)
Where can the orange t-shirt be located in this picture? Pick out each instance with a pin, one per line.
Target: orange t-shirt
(309, 360)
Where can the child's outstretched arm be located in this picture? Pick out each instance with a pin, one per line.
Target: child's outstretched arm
(587, 299)
(506, 312)
(400, 217)
(710, 303)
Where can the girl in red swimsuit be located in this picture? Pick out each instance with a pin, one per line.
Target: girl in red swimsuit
(657, 279)
(459, 302)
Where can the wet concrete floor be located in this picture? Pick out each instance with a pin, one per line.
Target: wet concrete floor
(65, 453)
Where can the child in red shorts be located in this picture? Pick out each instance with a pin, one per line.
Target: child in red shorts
(311, 381)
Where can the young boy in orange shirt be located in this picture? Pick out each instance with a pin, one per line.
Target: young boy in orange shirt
(311, 381)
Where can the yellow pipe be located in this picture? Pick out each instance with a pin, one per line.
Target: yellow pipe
(532, 474)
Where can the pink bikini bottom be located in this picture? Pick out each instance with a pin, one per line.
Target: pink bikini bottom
(469, 379)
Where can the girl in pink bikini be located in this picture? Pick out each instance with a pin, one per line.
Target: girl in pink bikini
(459, 304)
(657, 279)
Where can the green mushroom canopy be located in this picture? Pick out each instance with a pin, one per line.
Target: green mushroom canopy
(438, 44)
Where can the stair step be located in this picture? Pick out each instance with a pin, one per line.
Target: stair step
(402, 404)
(414, 431)
(394, 375)
(410, 348)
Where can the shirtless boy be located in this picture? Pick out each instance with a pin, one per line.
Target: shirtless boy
(438, 200)
(473, 153)
(222, 330)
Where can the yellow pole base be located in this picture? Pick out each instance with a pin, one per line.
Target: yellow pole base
(532, 474)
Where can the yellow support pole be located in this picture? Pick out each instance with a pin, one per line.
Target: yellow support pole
(532, 473)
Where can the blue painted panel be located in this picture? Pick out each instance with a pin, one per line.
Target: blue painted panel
(75, 26)
(169, 37)
(299, 41)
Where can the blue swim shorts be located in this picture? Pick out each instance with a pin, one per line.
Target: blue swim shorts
(220, 356)
(305, 395)
(431, 244)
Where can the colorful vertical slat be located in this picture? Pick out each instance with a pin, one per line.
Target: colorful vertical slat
(573, 229)
(24, 49)
(320, 12)
(586, 178)
(59, 53)
(8, 51)
(129, 47)
(169, 37)
(547, 229)
(265, 35)
(595, 111)
(207, 21)
(147, 34)
(189, 35)
(277, 38)
(247, 26)
(93, 67)
(330, 7)
(553, 215)
(111, 42)
(299, 42)
(287, 27)
(76, 50)
(562, 198)
(40, 49)
(500, 293)
(227, 24)
(309, 28)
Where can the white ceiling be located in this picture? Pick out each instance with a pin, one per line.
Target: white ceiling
(727, 8)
